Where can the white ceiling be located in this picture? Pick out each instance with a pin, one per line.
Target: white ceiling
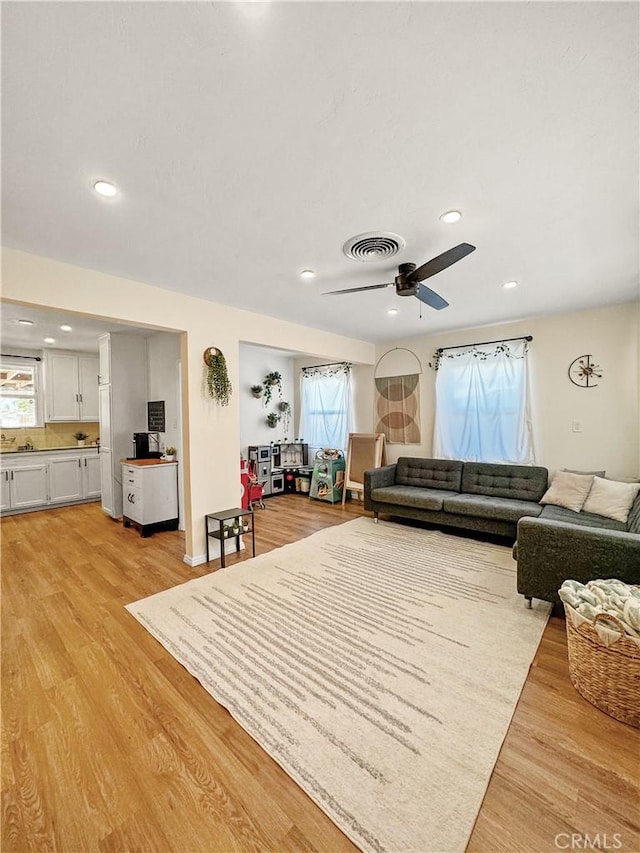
(250, 140)
(83, 336)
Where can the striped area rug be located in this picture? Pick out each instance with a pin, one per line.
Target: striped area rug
(379, 665)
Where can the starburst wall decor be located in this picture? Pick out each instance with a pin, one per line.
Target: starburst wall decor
(583, 372)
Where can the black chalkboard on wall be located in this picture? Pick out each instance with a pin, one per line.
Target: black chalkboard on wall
(155, 416)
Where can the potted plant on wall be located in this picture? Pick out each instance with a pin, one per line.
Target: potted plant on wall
(218, 383)
(80, 437)
(257, 391)
(273, 419)
(271, 382)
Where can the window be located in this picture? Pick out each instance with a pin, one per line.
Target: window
(19, 387)
(325, 404)
(482, 404)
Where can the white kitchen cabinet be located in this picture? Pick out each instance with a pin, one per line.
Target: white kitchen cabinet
(28, 485)
(73, 478)
(150, 496)
(104, 412)
(71, 383)
(122, 408)
(104, 356)
(91, 477)
(106, 481)
(5, 493)
(37, 479)
(65, 479)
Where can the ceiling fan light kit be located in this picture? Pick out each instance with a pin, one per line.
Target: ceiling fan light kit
(409, 280)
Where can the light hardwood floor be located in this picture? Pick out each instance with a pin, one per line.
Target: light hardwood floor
(108, 744)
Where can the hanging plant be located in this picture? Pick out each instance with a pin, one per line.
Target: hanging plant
(272, 419)
(285, 413)
(257, 391)
(272, 381)
(218, 383)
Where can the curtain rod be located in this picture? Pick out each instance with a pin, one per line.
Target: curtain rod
(328, 364)
(32, 357)
(485, 343)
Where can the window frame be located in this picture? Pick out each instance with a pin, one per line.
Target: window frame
(37, 396)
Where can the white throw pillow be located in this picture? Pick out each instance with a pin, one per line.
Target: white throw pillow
(568, 490)
(611, 498)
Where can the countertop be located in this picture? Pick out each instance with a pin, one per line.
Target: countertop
(144, 462)
(7, 450)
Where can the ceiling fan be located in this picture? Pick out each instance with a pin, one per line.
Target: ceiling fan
(408, 281)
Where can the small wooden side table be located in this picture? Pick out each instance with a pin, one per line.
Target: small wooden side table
(227, 515)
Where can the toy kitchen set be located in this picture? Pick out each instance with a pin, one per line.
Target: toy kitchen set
(284, 468)
(281, 468)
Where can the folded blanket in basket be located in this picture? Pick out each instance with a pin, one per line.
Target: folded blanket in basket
(611, 597)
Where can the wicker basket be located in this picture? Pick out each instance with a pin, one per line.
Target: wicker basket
(606, 676)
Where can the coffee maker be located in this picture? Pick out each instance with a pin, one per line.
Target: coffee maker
(142, 445)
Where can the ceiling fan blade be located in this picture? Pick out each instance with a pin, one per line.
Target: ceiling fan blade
(431, 298)
(358, 289)
(441, 262)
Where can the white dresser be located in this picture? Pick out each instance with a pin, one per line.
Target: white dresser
(150, 495)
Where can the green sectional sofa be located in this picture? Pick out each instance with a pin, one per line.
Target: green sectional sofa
(553, 544)
(470, 495)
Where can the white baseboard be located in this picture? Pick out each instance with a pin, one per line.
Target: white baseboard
(214, 552)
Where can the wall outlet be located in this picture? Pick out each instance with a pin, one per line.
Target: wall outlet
(576, 426)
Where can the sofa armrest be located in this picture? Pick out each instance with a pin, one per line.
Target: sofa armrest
(550, 552)
(376, 478)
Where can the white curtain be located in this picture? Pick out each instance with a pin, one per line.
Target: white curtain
(482, 404)
(325, 405)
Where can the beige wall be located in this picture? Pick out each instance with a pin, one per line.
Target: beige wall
(608, 413)
(211, 450)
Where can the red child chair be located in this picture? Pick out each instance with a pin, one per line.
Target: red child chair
(255, 489)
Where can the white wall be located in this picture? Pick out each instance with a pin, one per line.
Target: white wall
(211, 447)
(255, 363)
(608, 413)
(163, 353)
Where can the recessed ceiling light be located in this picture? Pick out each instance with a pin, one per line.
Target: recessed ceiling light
(49, 340)
(25, 322)
(509, 284)
(392, 311)
(65, 328)
(105, 188)
(308, 274)
(451, 216)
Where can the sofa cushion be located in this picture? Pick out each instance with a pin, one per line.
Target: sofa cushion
(429, 473)
(519, 482)
(483, 506)
(583, 519)
(411, 496)
(611, 499)
(568, 490)
(633, 522)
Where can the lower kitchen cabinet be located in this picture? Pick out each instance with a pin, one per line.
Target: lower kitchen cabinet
(91, 480)
(74, 478)
(5, 495)
(106, 482)
(65, 479)
(38, 479)
(150, 496)
(27, 486)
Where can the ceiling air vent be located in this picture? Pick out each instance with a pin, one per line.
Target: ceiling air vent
(374, 246)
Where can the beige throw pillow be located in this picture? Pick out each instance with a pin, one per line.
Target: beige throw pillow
(568, 490)
(611, 498)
